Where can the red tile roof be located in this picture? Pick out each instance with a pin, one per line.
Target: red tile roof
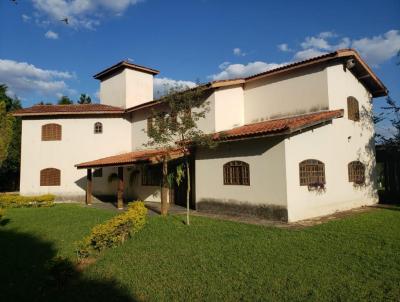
(68, 110)
(120, 66)
(129, 158)
(279, 126)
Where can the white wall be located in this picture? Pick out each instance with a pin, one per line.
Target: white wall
(229, 108)
(290, 94)
(127, 89)
(78, 144)
(266, 158)
(336, 145)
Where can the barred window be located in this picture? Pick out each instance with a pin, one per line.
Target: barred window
(356, 172)
(50, 177)
(151, 175)
(236, 173)
(98, 128)
(51, 132)
(353, 111)
(98, 172)
(312, 172)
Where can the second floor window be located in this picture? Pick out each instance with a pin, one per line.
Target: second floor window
(98, 128)
(353, 111)
(236, 173)
(51, 132)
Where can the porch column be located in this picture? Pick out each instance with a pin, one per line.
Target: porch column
(89, 185)
(120, 202)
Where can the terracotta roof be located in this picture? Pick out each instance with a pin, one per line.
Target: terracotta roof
(122, 65)
(40, 110)
(278, 126)
(129, 158)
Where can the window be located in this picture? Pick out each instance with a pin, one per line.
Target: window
(356, 172)
(236, 173)
(51, 132)
(98, 128)
(50, 177)
(353, 111)
(312, 173)
(98, 172)
(151, 175)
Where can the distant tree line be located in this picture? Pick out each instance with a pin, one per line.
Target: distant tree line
(65, 100)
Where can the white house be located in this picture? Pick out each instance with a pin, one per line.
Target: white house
(298, 141)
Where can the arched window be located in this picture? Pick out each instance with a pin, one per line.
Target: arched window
(98, 128)
(50, 177)
(356, 172)
(312, 173)
(353, 111)
(51, 132)
(236, 173)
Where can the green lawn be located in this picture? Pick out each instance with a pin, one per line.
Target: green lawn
(353, 259)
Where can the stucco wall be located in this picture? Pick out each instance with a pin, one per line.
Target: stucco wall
(266, 158)
(112, 90)
(290, 94)
(78, 144)
(336, 145)
(229, 108)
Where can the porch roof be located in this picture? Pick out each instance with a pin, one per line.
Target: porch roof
(142, 156)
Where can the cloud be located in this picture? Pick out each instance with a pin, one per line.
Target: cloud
(51, 35)
(374, 50)
(81, 13)
(25, 18)
(162, 85)
(232, 71)
(238, 52)
(27, 80)
(284, 47)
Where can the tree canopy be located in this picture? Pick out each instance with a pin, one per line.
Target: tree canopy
(64, 100)
(84, 99)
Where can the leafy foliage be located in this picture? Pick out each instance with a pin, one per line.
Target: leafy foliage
(19, 201)
(2, 213)
(64, 100)
(84, 99)
(6, 132)
(114, 231)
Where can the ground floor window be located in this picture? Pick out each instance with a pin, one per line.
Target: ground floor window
(50, 177)
(356, 172)
(98, 172)
(236, 173)
(151, 175)
(312, 173)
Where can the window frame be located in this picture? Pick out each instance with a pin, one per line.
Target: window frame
(356, 172)
(98, 173)
(51, 132)
(312, 167)
(353, 109)
(50, 177)
(151, 175)
(236, 173)
(98, 128)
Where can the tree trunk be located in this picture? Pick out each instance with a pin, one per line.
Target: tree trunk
(187, 192)
(164, 188)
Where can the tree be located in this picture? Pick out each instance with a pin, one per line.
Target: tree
(393, 110)
(64, 100)
(177, 130)
(84, 99)
(6, 131)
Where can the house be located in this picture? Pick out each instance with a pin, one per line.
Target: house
(298, 141)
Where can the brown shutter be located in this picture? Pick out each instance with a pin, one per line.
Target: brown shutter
(353, 111)
(50, 177)
(51, 132)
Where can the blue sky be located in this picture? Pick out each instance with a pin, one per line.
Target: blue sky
(42, 57)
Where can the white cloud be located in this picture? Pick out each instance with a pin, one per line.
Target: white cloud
(25, 18)
(163, 85)
(25, 79)
(82, 13)
(284, 47)
(238, 52)
(233, 71)
(380, 48)
(51, 35)
(307, 54)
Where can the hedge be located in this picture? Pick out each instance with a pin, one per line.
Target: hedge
(18, 201)
(115, 231)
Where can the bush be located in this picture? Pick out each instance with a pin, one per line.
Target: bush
(114, 231)
(18, 201)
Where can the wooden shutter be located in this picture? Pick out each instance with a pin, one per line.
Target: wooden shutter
(50, 177)
(353, 111)
(51, 132)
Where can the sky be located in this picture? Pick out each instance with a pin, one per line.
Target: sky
(189, 41)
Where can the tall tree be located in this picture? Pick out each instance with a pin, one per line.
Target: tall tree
(6, 131)
(177, 129)
(84, 99)
(64, 100)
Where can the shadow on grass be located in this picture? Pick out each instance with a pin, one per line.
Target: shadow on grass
(25, 274)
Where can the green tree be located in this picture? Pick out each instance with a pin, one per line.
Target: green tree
(64, 100)
(177, 129)
(84, 99)
(6, 131)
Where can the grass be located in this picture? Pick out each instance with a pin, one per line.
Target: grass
(353, 259)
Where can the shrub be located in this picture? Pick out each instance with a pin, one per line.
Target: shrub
(18, 201)
(114, 231)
